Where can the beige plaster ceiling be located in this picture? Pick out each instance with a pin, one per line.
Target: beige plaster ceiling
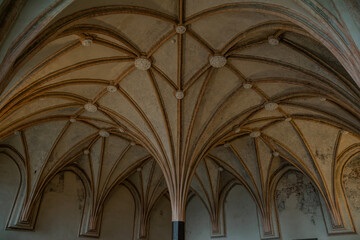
(223, 120)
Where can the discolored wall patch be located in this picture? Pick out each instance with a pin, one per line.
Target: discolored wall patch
(56, 184)
(296, 184)
(351, 181)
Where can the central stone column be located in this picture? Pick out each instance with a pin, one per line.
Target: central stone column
(178, 230)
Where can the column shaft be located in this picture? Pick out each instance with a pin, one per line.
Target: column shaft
(178, 230)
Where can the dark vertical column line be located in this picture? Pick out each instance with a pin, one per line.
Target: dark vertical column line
(178, 230)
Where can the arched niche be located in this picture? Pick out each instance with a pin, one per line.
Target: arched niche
(351, 186)
(10, 179)
(295, 195)
(118, 218)
(241, 219)
(300, 209)
(60, 209)
(240, 216)
(198, 224)
(160, 220)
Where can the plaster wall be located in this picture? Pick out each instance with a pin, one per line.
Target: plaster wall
(61, 208)
(240, 218)
(300, 214)
(160, 220)
(240, 215)
(60, 211)
(298, 203)
(197, 225)
(351, 183)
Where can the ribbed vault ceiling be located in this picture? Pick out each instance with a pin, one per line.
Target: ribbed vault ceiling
(273, 104)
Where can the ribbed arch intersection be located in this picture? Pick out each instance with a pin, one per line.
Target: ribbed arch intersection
(183, 89)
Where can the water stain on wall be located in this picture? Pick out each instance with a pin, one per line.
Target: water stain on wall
(80, 193)
(56, 184)
(351, 180)
(324, 158)
(295, 183)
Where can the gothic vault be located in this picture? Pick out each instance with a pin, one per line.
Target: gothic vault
(182, 99)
